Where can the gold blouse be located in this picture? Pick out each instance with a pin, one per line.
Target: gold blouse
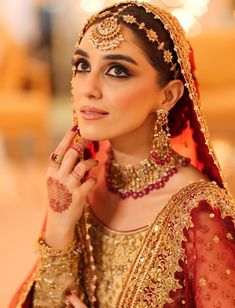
(114, 252)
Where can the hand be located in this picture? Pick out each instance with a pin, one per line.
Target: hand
(66, 189)
(74, 300)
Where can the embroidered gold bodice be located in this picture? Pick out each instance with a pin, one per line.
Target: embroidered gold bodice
(114, 252)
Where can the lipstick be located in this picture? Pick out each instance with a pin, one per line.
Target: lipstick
(92, 113)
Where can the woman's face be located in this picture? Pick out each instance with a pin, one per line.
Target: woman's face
(120, 82)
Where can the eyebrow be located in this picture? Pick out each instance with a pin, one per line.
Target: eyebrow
(108, 57)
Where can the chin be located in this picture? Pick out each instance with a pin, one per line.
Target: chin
(90, 133)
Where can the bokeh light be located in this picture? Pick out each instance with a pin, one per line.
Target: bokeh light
(173, 3)
(92, 6)
(196, 8)
(188, 22)
(188, 12)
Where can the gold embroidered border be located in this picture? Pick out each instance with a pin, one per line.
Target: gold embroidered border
(158, 260)
(90, 277)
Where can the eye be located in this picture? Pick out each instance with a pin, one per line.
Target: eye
(118, 71)
(80, 65)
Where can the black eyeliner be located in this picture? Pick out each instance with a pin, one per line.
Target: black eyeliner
(75, 62)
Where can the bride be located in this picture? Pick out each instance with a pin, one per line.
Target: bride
(138, 213)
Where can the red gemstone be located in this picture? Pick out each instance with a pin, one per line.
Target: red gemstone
(186, 161)
(169, 172)
(157, 185)
(140, 194)
(158, 161)
(123, 195)
(68, 293)
(151, 186)
(135, 195)
(154, 155)
(146, 191)
(168, 159)
(174, 170)
(162, 184)
(163, 162)
(165, 178)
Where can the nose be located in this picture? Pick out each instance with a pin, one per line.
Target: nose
(91, 87)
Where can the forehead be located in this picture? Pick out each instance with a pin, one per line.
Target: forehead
(128, 46)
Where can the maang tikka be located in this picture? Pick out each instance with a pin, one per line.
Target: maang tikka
(106, 34)
(153, 172)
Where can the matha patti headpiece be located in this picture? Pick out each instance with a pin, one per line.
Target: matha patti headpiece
(106, 35)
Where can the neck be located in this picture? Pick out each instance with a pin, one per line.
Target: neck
(135, 146)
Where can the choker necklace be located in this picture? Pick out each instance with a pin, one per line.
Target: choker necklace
(139, 180)
(151, 173)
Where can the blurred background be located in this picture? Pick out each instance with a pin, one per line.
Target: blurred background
(37, 39)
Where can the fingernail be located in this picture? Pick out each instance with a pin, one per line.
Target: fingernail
(74, 128)
(68, 292)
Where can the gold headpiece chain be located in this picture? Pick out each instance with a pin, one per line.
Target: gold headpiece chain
(106, 35)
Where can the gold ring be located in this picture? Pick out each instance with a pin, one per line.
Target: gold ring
(56, 159)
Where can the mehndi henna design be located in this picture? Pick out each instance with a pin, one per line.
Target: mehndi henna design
(60, 197)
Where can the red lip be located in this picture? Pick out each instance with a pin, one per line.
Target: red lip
(92, 109)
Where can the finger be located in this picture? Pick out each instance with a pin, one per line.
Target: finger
(75, 301)
(61, 149)
(85, 187)
(72, 156)
(66, 141)
(81, 168)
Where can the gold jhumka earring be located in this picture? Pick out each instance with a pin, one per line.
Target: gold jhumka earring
(152, 173)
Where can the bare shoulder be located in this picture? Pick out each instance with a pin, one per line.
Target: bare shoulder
(190, 173)
(185, 176)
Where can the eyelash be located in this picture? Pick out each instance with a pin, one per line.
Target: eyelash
(75, 63)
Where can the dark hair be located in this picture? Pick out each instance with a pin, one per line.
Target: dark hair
(178, 114)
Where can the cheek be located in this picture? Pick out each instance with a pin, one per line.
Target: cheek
(136, 96)
(76, 93)
(75, 88)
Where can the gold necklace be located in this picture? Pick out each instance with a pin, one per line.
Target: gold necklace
(139, 180)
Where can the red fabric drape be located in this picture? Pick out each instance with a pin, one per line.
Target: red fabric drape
(208, 277)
